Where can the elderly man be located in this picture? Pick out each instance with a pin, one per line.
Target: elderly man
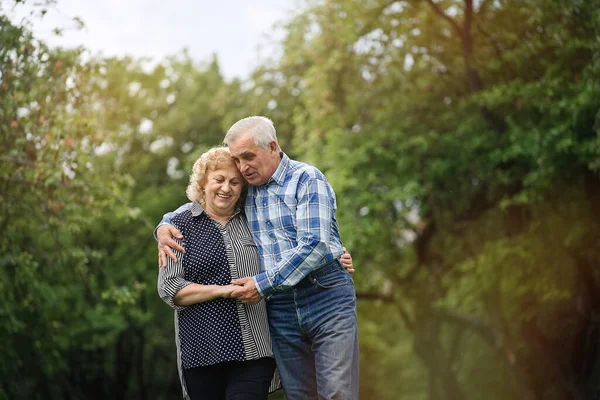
(310, 298)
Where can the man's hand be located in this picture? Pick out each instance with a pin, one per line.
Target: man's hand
(165, 234)
(246, 291)
(346, 260)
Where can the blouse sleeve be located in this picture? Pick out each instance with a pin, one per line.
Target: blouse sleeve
(171, 279)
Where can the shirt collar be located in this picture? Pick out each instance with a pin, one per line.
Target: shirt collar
(198, 210)
(280, 173)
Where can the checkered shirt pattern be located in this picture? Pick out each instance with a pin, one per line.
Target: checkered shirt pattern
(292, 220)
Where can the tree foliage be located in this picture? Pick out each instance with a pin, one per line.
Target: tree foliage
(462, 138)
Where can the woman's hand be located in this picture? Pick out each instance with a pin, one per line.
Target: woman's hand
(346, 260)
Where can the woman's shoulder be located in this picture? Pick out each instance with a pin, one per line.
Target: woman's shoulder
(193, 216)
(182, 219)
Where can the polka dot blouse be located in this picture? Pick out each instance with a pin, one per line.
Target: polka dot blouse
(222, 329)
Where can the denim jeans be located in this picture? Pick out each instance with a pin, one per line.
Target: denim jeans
(315, 338)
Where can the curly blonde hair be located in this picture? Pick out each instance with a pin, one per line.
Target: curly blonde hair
(208, 161)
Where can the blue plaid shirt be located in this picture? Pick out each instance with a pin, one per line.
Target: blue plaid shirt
(292, 220)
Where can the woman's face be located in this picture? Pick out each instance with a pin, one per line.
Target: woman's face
(223, 189)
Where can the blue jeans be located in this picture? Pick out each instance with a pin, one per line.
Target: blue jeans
(315, 337)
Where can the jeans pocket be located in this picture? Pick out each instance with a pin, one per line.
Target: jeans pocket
(333, 279)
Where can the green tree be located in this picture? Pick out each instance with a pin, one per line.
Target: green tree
(462, 139)
(50, 193)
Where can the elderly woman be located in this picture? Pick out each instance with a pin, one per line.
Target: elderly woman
(223, 346)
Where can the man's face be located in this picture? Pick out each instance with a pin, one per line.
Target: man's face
(256, 164)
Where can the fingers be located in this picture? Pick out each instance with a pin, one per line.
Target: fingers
(348, 265)
(165, 246)
(239, 282)
(245, 291)
(170, 254)
(163, 253)
(174, 232)
(162, 260)
(169, 243)
(227, 290)
(162, 257)
(246, 295)
(346, 261)
(165, 234)
(346, 254)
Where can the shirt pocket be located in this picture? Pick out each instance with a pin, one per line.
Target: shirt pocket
(285, 218)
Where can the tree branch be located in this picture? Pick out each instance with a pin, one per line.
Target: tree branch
(492, 41)
(408, 322)
(369, 26)
(483, 8)
(468, 40)
(468, 321)
(386, 298)
(441, 13)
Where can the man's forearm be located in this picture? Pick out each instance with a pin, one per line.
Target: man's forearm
(292, 269)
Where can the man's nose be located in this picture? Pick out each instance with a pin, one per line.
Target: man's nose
(243, 166)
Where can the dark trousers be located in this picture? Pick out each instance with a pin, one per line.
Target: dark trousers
(234, 380)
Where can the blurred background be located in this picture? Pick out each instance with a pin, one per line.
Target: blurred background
(462, 138)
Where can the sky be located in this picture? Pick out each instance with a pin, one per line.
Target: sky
(240, 32)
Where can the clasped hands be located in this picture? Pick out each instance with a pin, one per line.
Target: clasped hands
(242, 289)
(245, 290)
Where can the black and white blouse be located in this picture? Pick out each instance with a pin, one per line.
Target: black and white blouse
(222, 329)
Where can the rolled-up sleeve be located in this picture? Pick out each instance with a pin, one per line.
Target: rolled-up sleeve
(171, 279)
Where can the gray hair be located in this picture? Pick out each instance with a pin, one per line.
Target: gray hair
(262, 130)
